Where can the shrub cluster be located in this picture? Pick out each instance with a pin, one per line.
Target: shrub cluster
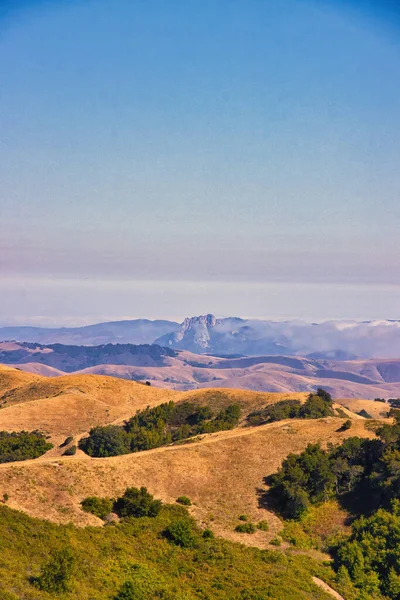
(246, 528)
(100, 507)
(317, 405)
(71, 451)
(316, 475)
(22, 445)
(184, 500)
(158, 426)
(135, 502)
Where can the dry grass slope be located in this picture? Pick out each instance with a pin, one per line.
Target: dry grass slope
(220, 472)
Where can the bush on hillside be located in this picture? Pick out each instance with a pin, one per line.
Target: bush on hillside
(137, 502)
(67, 441)
(365, 414)
(303, 479)
(100, 507)
(56, 574)
(22, 445)
(346, 425)
(317, 405)
(71, 451)
(285, 409)
(184, 500)
(180, 533)
(158, 426)
(245, 528)
(208, 534)
(128, 591)
(110, 440)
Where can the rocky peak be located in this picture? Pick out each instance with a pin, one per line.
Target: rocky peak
(198, 328)
(194, 322)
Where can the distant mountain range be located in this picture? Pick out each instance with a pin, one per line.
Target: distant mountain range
(183, 370)
(137, 331)
(339, 340)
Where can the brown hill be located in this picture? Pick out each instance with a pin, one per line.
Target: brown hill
(72, 404)
(221, 474)
(183, 370)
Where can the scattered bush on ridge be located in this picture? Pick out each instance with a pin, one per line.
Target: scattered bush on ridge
(158, 426)
(317, 406)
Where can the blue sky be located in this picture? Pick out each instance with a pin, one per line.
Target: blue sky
(160, 159)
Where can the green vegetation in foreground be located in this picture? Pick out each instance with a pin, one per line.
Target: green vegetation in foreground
(317, 405)
(159, 426)
(22, 445)
(145, 558)
(364, 476)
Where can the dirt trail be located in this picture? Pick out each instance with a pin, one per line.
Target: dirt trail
(287, 426)
(324, 586)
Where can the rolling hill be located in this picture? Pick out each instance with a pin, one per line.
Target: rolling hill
(220, 472)
(182, 370)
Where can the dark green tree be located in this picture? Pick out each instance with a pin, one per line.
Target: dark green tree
(137, 502)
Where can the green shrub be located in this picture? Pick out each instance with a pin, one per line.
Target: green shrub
(127, 592)
(243, 518)
(246, 528)
(56, 574)
(263, 526)
(158, 426)
(276, 542)
(137, 503)
(365, 414)
(303, 479)
(22, 445)
(317, 405)
(110, 440)
(184, 500)
(180, 533)
(346, 425)
(285, 409)
(100, 507)
(67, 441)
(71, 451)
(208, 534)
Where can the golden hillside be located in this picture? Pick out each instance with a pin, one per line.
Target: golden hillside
(220, 472)
(72, 404)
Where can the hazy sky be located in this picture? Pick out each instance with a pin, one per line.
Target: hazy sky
(169, 158)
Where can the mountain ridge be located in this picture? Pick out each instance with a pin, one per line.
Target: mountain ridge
(206, 334)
